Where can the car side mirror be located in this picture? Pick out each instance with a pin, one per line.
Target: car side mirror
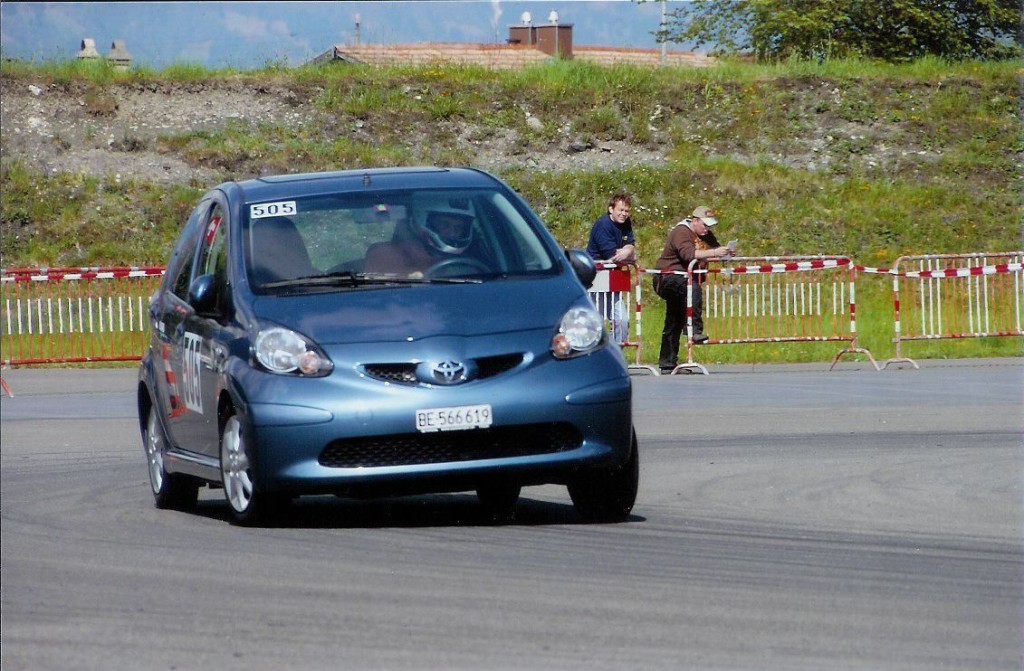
(582, 265)
(202, 294)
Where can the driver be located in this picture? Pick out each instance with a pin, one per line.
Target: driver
(449, 231)
(440, 233)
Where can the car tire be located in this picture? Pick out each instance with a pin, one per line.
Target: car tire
(247, 504)
(607, 495)
(171, 491)
(499, 500)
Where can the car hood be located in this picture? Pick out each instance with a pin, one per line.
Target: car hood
(389, 314)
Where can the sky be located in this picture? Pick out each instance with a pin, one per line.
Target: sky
(246, 35)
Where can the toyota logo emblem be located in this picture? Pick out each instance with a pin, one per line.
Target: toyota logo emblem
(450, 372)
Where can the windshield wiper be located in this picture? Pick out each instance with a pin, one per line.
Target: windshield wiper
(388, 278)
(345, 278)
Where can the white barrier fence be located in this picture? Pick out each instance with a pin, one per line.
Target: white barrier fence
(67, 315)
(941, 296)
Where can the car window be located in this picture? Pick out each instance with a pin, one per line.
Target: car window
(213, 255)
(469, 233)
(179, 268)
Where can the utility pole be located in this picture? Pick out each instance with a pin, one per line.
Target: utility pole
(664, 40)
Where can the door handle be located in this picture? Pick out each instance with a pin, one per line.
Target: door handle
(220, 355)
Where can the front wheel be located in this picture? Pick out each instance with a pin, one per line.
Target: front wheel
(249, 506)
(171, 491)
(607, 495)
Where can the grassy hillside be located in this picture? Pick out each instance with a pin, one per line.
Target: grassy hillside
(867, 160)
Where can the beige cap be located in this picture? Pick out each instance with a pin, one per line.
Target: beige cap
(706, 214)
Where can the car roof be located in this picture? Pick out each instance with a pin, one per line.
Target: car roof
(340, 181)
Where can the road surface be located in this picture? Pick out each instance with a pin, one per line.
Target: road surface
(788, 518)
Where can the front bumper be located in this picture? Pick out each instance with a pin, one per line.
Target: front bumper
(349, 434)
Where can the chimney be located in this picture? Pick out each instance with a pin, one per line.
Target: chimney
(88, 50)
(119, 56)
(525, 33)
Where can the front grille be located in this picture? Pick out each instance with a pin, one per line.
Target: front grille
(490, 366)
(405, 373)
(402, 373)
(451, 446)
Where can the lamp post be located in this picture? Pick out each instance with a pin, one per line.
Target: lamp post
(553, 18)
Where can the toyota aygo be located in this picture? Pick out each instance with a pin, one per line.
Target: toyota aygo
(380, 333)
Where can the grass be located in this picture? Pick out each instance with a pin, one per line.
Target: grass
(848, 157)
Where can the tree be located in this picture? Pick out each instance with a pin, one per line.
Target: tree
(891, 30)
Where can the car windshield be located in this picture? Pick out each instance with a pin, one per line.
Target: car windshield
(407, 237)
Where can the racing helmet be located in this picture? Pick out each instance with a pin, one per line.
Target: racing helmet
(446, 224)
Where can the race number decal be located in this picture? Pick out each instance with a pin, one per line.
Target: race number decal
(261, 210)
(190, 382)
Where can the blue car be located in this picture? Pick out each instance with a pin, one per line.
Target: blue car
(380, 332)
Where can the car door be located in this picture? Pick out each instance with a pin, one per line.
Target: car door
(170, 311)
(201, 338)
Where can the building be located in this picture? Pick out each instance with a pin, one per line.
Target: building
(527, 44)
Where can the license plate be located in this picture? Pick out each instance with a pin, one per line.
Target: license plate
(455, 418)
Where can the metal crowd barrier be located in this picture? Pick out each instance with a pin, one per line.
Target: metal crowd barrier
(71, 315)
(68, 315)
(775, 299)
(616, 293)
(956, 296)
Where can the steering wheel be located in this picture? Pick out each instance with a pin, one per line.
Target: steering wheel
(457, 266)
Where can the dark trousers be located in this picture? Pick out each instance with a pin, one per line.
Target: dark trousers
(672, 289)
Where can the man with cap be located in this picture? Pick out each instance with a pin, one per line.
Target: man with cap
(689, 239)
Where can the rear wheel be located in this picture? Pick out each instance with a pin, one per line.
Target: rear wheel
(607, 495)
(249, 506)
(171, 491)
(499, 500)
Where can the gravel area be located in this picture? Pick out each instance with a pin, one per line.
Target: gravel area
(114, 133)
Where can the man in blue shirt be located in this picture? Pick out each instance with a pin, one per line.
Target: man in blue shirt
(611, 236)
(612, 240)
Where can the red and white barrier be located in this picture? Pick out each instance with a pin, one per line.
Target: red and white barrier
(955, 296)
(617, 296)
(67, 315)
(775, 299)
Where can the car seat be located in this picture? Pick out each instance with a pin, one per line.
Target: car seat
(278, 251)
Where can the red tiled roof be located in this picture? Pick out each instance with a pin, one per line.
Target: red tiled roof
(488, 55)
(500, 55)
(609, 55)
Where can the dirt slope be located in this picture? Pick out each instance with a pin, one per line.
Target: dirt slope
(57, 128)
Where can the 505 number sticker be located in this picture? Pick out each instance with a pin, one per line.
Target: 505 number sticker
(283, 208)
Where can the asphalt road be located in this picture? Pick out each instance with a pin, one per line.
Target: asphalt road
(788, 518)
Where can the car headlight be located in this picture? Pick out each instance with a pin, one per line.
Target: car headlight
(581, 330)
(284, 351)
